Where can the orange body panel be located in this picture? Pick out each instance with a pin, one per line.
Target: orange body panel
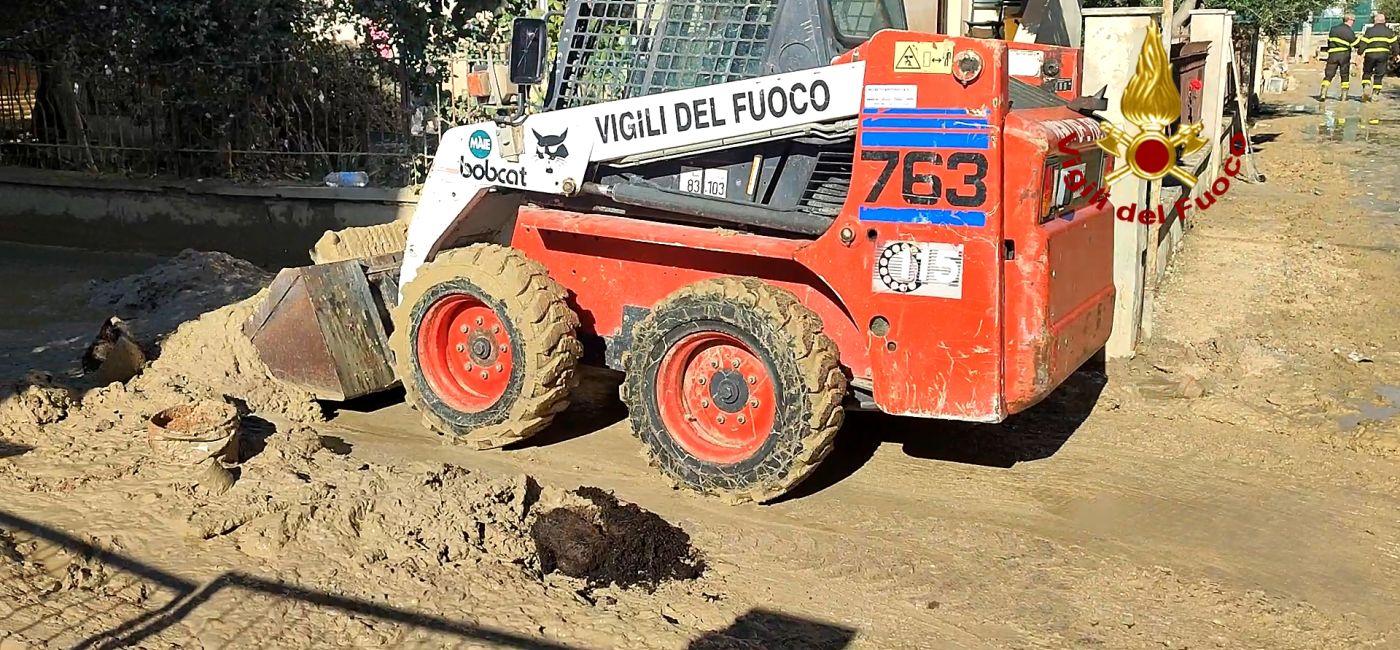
(1059, 299)
(914, 280)
(611, 264)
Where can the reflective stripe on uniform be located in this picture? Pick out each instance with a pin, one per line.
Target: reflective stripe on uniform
(1384, 41)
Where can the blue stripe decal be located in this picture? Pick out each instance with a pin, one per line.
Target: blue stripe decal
(925, 140)
(925, 123)
(924, 215)
(917, 111)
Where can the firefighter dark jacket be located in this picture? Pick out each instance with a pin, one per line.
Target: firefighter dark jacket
(1378, 39)
(1341, 39)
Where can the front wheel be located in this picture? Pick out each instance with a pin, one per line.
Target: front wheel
(733, 389)
(485, 345)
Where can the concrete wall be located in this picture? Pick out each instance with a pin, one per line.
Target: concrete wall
(1141, 254)
(1112, 40)
(269, 226)
(1214, 26)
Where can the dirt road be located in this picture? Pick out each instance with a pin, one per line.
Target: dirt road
(1235, 485)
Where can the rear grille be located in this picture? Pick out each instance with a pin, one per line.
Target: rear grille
(830, 183)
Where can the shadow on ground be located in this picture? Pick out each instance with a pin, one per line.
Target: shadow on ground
(1034, 434)
(12, 449)
(756, 628)
(593, 405)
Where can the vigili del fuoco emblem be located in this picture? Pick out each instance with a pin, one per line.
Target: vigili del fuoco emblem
(1152, 104)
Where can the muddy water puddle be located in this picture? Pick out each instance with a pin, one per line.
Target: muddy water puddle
(1344, 128)
(44, 291)
(1349, 121)
(1372, 411)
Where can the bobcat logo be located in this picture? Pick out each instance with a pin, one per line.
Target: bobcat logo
(551, 146)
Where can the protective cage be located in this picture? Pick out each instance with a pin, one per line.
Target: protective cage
(618, 49)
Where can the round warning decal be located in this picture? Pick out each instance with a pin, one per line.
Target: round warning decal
(479, 143)
(898, 267)
(913, 268)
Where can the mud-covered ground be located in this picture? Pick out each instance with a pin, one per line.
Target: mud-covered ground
(1236, 485)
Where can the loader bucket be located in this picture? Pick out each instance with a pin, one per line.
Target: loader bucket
(325, 328)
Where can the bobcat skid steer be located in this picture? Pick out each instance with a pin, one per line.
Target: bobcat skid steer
(763, 212)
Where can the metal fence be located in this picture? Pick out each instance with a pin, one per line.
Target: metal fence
(288, 121)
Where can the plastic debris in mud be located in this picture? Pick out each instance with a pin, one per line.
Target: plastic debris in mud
(203, 435)
(114, 354)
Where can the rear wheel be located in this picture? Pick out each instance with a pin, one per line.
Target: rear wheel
(733, 389)
(485, 345)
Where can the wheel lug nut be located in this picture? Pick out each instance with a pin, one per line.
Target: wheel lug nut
(495, 329)
(741, 419)
(753, 404)
(704, 403)
(485, 375)
(720, 419)
(714, 364)
(479, 321)
(461, 348)
(736, 363)
(700, 380)
(462, 329)
(753, 380)
(468, 367)
(500, 367)
(503, 347)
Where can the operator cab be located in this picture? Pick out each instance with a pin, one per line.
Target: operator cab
(792, 184)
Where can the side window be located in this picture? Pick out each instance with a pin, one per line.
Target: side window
(857, 20)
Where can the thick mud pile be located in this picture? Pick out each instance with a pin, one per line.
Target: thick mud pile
(299, 499)
(300, 505)
(291, 488)
(179, 313)
(179, 288)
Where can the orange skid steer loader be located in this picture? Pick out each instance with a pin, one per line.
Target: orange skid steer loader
(762, 219)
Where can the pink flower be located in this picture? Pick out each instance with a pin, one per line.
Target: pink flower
(1195, 85)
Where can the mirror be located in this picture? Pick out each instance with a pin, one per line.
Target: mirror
(527, 51)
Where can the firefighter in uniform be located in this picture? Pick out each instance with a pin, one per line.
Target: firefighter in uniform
(1377, 46)
(1340, 40)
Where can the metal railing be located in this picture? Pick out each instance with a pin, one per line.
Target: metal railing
(288, 121)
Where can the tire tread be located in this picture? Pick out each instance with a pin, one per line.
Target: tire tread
(817, 359)
(539, 312)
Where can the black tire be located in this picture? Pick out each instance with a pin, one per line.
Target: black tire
(543, 347)
(802, 362)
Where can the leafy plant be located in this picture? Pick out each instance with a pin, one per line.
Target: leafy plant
(228, 87)
(1274, 17)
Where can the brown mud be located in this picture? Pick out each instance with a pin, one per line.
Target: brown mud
(1235, 485)
(626, 546)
